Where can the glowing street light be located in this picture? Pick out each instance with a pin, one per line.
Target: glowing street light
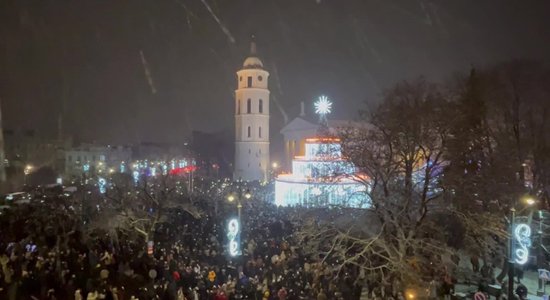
(530, 201)
(230, 198)
(28, 169)
(274, 165)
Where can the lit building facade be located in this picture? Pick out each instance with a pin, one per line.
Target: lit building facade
(95, 159)
(321, 177)
(252, 120)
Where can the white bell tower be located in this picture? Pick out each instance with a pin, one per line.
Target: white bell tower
(252, 120)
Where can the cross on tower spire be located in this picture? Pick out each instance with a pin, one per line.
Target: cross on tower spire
(253, 45)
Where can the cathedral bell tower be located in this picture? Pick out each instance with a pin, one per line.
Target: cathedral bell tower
(252, 120)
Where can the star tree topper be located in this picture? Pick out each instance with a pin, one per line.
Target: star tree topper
(323, 106)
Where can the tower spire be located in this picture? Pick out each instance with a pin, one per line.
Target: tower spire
(252, 120)
(253, 46)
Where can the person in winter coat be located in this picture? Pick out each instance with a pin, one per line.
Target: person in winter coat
(93, 296)
(282, 294)
(181, 295)
(220, 295)
(521, 291)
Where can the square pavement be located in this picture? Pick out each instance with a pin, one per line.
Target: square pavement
(530, 280)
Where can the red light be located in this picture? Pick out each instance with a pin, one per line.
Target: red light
(184, 170)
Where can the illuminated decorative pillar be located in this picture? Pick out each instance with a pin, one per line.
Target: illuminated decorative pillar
(234, 237)
(102, 184)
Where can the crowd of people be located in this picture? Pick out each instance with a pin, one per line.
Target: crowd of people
(49, 253)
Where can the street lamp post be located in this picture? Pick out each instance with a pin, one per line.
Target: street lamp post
(511, 243)
(239, 199)
(540, 257)
(511, 264)
(232, 198)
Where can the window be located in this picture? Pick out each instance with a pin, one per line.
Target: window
(248, 131)
(261, 106)
(260, 132)
(240, 78)
(93, 158)
(260, 78)
(239, 106)
(249, 151)
(70, 158)
(248, 106)
(249, 83)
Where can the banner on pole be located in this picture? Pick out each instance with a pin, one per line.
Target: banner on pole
(544, 274)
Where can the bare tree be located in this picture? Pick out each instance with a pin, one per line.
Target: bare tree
(401, 154)
(140, 209)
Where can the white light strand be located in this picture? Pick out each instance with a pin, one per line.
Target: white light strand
(522, 233)
(232, 233)
(102, 185)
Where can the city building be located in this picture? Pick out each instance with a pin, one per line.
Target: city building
(95, 159)
(28, 147)
(28, 151)
(160, 151)
(252, 120)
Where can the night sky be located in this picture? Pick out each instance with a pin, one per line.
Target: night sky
(81, 59)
